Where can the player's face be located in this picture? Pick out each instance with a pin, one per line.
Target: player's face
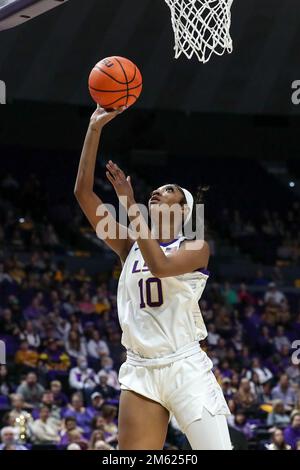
(168, 194)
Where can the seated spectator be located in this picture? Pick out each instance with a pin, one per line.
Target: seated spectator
(239, 422)
(292, 432)
(264, 374)
(82, 377)
(20, 419)
(59, 397)
(278, 442)
(31, 390)
(244, 397)
(8, 440)
(96, 436)
(278, 417)
(109, 414)
(8, 325)
(104, 389)
(100, 301)
(107, 368)
(227, 388)
(6, 386)
(212, 337)
(96, 347)
(273, 296)
(79, 412)
(101, 445)
(54, 410)
(281, 340)
(45, 430)
(86, 306)
(26, 357)
(76, 437)
(97, 403)
(75, 346)
(54, 357)
(30, 335)
(69, 424)
(284, 392)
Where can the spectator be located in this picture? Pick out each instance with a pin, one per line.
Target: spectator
(212, 337)
(281, 340)
(264, 374)
(278, 442)
(284, 392)
(75, 346)
(30, 335)
(240, 423)
(82, 377)
(59, 397)
(96, 347)
(20, 418)
(292, 432)
(107, 368)
(273, 296)
(96, 436)
(45, 430)
(104, 389)
(244, 397)
(8, 439)
(278, 417)
(69, 425)
(31, 390)
(26, 357)
(6, 387)
(96, 406)
(79, 412)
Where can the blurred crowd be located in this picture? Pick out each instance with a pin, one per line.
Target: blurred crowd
(60, 389)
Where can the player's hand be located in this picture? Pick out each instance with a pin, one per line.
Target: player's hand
(121, 184)
(102, 116)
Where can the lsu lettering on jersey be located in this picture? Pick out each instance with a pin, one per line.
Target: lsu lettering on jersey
(159, 316)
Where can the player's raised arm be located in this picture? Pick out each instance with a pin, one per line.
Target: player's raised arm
(84, 186)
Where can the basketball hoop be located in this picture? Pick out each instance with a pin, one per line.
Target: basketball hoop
(201, 27)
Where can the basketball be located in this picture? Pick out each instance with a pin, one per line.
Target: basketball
(115, 82)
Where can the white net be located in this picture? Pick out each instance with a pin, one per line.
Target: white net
(201, 27)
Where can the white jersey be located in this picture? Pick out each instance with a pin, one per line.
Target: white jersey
(158, 317)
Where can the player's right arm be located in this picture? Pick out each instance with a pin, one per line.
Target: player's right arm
(84, 186)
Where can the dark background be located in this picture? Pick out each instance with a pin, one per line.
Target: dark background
(49, 58)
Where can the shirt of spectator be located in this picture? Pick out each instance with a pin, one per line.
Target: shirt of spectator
(96, 347)
(79, 412)
(274, 296)
(278, 442)
(281, 340)
(284, 392)
(106, 391)
(75, 345)
(97, 402)
(278, 417)
(20, 419)
(31, 390)
(264, 374)
(55, 357)
(292, 432)
(30, 335)
(59, 397)
(26, 357)
(6, 386)
(8, 440)
(82, 377)
(45, 430)
(240, 423)
(69, 425)
(107, 368)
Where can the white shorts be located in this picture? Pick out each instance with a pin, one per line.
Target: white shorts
(184, 387)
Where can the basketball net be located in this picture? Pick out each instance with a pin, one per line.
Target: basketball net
(201, 27)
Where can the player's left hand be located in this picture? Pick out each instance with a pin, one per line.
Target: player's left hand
(121, 184)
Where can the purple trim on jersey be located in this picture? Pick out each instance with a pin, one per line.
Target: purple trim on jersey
(203, 271)
(169, 243)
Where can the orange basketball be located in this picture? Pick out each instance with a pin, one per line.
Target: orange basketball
(115, 82)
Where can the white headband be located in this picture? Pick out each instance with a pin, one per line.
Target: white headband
(190, 203)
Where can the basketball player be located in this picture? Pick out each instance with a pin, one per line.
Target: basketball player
(166, 372)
